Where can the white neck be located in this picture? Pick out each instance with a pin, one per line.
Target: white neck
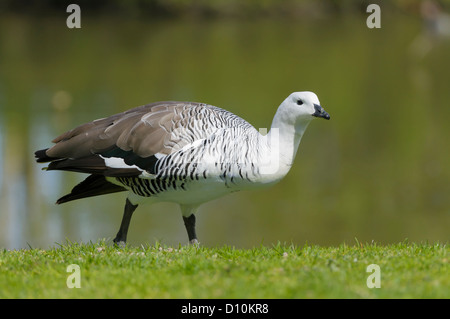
(283, 140)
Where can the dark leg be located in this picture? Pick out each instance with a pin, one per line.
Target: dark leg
(189, 222)
(121, 237)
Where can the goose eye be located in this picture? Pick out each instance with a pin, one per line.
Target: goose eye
(299, 102)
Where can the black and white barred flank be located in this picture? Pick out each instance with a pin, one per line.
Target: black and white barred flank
(159, 147)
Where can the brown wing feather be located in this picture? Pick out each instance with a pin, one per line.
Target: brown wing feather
(143, 131)
(124, 130)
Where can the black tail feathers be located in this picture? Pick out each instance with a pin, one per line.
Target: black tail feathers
(42, 157)
(93, 185)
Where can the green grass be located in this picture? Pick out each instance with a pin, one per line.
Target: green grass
(408, 270)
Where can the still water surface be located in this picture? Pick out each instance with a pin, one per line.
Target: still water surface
(378, 170)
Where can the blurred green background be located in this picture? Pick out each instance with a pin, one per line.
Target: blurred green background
(378, 170)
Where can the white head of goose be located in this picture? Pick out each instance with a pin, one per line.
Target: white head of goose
(183, 152)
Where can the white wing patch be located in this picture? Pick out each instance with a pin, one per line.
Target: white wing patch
(117, 162)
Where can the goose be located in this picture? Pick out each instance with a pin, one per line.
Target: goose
(183, 152)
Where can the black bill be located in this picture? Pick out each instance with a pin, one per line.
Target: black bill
(320, 112)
